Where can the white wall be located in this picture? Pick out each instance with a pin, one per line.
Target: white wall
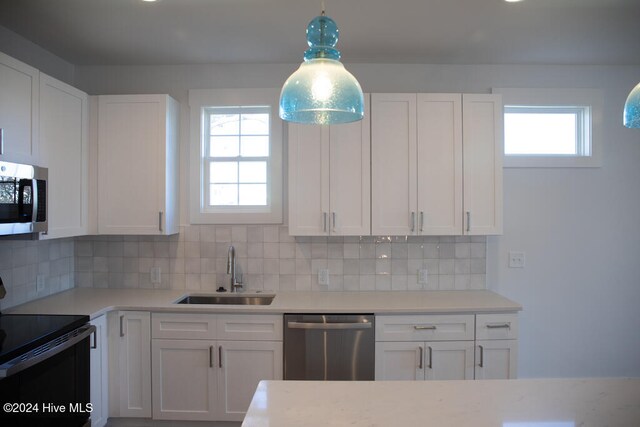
(28, 52)
(579, 228)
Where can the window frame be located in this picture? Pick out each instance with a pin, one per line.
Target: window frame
(200, 102)
(587, 101)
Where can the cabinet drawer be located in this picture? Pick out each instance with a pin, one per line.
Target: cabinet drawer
(496, 326)
(249, 327)
(183, 326)
(425, 328)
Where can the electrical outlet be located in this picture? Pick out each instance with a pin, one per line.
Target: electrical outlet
(40, 283)
(155, 275)
(323, 276)
(516, 259)
(423, 275)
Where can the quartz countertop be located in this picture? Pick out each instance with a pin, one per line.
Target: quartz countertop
(95, 302)
(480, 403)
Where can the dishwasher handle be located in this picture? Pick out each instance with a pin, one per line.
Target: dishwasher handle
(325, 326)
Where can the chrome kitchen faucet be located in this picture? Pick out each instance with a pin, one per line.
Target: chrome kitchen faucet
(236, 280)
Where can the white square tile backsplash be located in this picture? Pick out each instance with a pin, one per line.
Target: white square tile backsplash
(270, 259)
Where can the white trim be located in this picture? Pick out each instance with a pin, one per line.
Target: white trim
(559, 97)
(203, 98)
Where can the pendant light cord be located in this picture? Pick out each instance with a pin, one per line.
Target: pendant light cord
(322, 7)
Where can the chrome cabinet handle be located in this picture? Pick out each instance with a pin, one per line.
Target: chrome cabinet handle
(413, 222)
(324, 222)
(468, 221)
(211, 356)
(430, 365)
(481, 364)
(333, 220)
(122, 325)
(160, 221)
(1, 141)
(220, 357)
(95, 339)
(421, 328)
(421, 220)
(498, 325)
(421, 357)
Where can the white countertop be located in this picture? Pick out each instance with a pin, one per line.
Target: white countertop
(95, 302)
(480, 403)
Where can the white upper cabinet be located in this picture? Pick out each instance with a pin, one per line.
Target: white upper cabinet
(329, 179)
(393, 164)
(482, 158)
(19, 89)
(436, 164)
(137, 164)
(439, 159)
(64, 151)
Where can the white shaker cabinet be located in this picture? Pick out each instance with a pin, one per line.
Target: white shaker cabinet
(137, 164)
(436, 164)
(130, 364)
(393, 164)
(64, 151)
(496, 346)
(424, 347)
(99, 363)
(19, 94)
(207, 366)
(482, 158)
(329, 178)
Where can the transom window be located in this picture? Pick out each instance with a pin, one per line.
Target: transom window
(237, 150)
(546, 131)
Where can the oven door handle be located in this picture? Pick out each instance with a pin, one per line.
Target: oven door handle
(309, 325)
(45, 351)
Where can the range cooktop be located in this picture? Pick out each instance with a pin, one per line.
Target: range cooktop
(20, 333)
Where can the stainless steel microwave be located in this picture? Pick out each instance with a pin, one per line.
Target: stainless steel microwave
(23, 199)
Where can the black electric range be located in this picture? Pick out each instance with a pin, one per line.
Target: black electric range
(44, 370)
(20, 333)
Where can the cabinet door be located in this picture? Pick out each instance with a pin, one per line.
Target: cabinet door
(308, 180)
(64, 150)
(134, 367)
(482, 160)
(439, 164)
(243, 365)
(496, 359)
(99, 365)
(184, 379)
(19, 93)
(393, 164)
(350, 177)
(399, 361)
(131, 163)
(448, 360)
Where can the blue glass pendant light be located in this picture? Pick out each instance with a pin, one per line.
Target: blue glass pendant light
(632, 109)
(321, 91)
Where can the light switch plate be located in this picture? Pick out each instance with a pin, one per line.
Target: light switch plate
(423, 276)
(40, 283)
(323, 276)
(155, 275)
(516, 259)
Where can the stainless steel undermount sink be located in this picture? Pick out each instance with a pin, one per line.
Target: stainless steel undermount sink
(227, 299)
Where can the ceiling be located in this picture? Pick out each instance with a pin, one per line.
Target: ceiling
(133, 32)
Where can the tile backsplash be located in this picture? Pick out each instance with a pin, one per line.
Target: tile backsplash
(270, 259)
(25, 263)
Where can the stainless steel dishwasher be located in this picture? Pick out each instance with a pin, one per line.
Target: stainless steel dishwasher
(329, 347)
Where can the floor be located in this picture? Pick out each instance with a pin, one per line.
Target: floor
(145, 422)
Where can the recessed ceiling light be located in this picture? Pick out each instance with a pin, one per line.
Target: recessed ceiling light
(508, 1)
(149, 1)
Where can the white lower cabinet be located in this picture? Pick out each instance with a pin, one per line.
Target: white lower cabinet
(444, 347)
(437, 360)
(130, 363)
(99, 365)
(212, 379)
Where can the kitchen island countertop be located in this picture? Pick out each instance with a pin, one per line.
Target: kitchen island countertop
(95, 302)
(480, 403)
